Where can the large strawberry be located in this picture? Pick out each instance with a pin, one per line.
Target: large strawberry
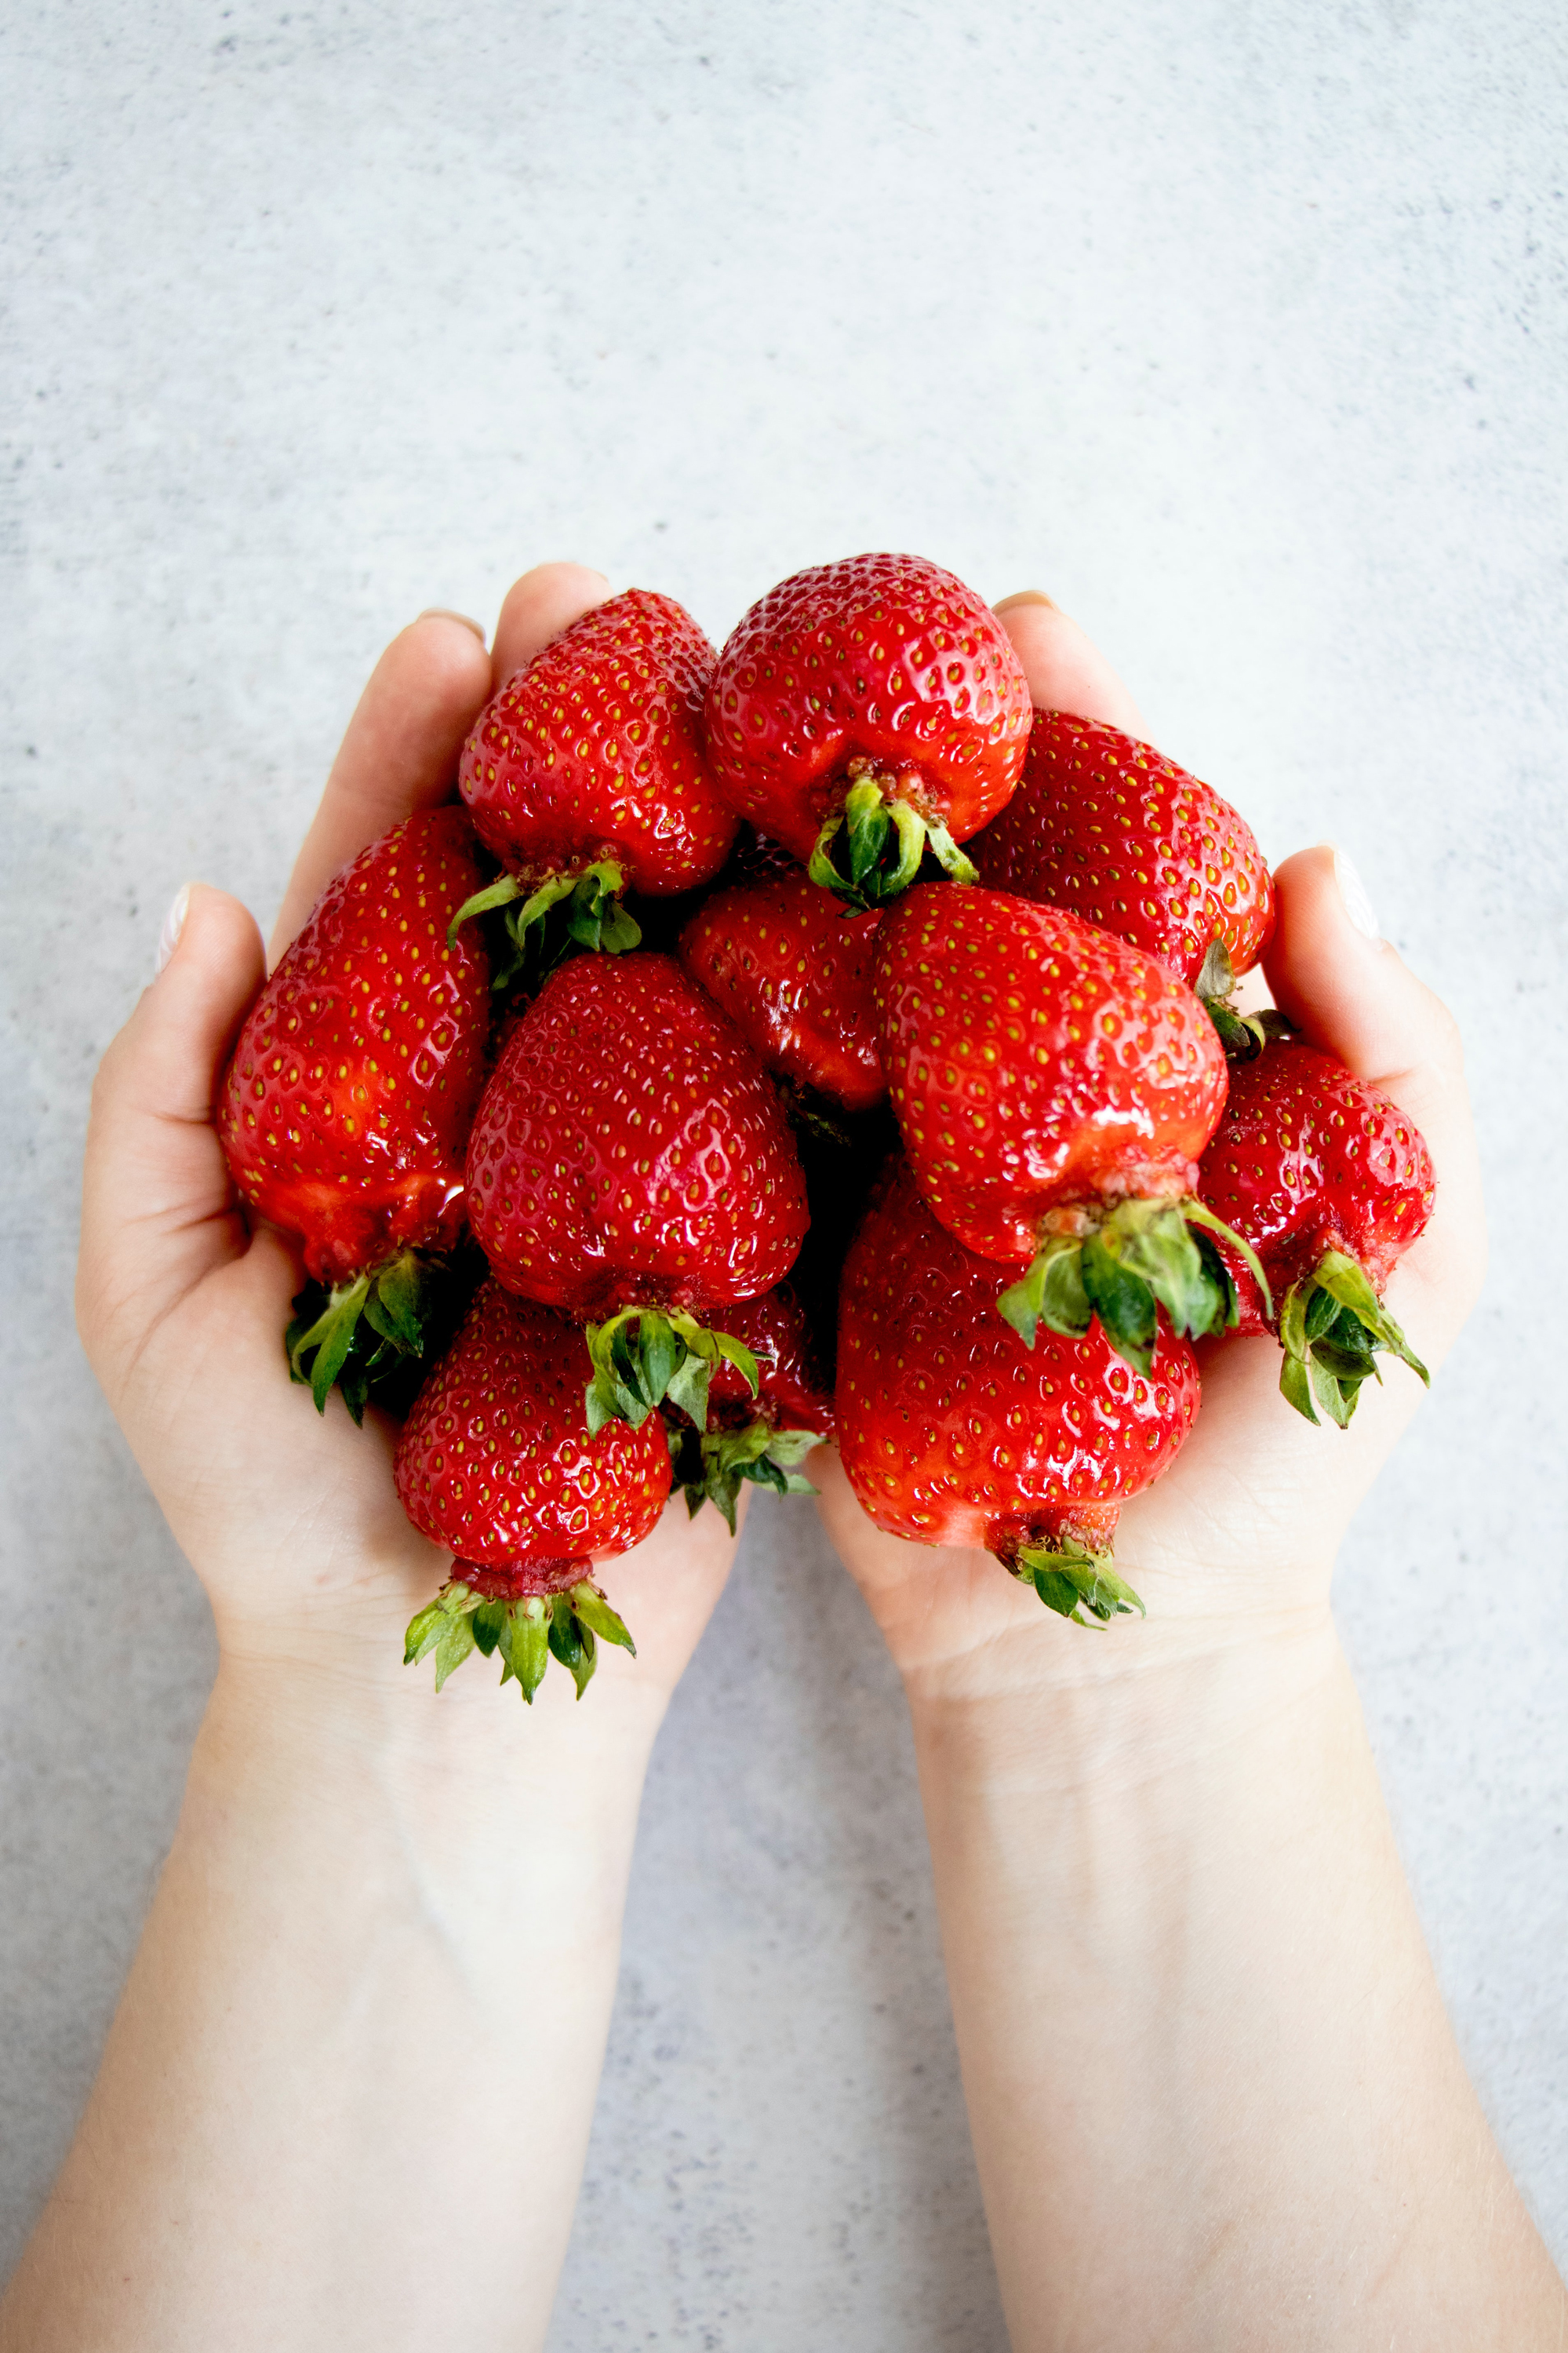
(1109, 828)
(1330, 1183)
(954, 1433)
(793, 970)
(1053, 1088)
(493, 1462)
(762, 1439)
(587, 775)
(865, 710)
(345, 1111)
(631, 1167)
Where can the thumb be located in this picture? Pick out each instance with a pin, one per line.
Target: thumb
(158, 1209)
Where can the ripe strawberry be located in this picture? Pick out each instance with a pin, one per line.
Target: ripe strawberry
(1111, 829)
(587, 775)
(345, 1111)
(765, 1437)
(794, 972)
(864, 709)
(492, 1462)
(954, 1433)
(1330, 1183)
(629, 1162)
(1053, 1088)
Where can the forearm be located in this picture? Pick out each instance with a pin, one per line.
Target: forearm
(1214, 2098)
(347, 2097)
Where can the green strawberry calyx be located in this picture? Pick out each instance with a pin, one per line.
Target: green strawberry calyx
(1331, 1326)
(870, 850)
(710, 1466)
(1071, 1575)
(540, 925)
(643, 1356)
(352, 1335)
(1124, 1265)
(528, 1632)
(1244, 1036)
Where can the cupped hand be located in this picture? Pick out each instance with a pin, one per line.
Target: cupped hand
(289, 1519)
(1240, 1536)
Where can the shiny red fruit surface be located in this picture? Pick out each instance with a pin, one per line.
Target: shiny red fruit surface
(630, 1149)
(791, 1394)
(1109, 828)
(345, 1111)
(883, 657)
(1036, 1062)
(953, 1431)
(793, 971)
(495, 1460)
(595, 750)
(1310, 1158)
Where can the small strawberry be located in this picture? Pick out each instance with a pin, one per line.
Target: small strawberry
(1053, 1088)
(1330, 1183)
(1113, 831)
(793, 970)
(954, 1433)
(345, 1111)
(587, 775)
(629, 1163)
(762, 1439)
(865, 710)
(493, 1463)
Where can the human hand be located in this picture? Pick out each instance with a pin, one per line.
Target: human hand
(1238, 1538)
(291, 1521)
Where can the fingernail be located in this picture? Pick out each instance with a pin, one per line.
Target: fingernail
(445, 613)
(1028, 597)
(1352, 892)
(173, 925)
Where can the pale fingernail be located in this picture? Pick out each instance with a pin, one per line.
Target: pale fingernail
(445, 613)
(1028, 597)
(1352, 892)
(173, 925)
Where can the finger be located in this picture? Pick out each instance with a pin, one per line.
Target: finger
(1351, 994)
(1064, 671)
(537, 608)
(400, 753)
(158, 1209)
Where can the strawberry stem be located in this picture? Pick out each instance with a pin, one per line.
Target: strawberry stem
(1071, 1577)
(1331, 1327)
(870, 851)
(1142, 1256)
(641, 1356)
(581, 909)
(709, 1465)
(359, 1334)
(528, 1631)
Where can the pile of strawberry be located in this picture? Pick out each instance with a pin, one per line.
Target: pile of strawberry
(689, 1094)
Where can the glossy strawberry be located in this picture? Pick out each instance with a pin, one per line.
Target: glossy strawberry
(493, 1462)
(588, 774)
(1111, 829)
(863, 710)
(1053, 1088)
(630, 1165)
(762, 1439)
(345, 1111)
(1330, 1183)
(954, 1433)
(793, 970)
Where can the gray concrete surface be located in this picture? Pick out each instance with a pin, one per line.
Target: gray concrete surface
(1242, 330)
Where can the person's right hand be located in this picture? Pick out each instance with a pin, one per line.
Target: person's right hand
(1239, 1538)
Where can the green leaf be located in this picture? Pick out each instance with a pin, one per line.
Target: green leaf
(947, 853)
(789, 1447)
(453, 1646)
(1348, 1283)
(1293, 1320)
(594, 1612)
(1217, 975)
(572, 1642)
(1198, 1213)
(1328, 1393)
(660, 1352)
(1122, 1301)
(1296, 1387)
(487, 1622)
(1322, 1311)
(1051, 1292)
(1069, 1578)
(424, 1630)
(496, 894)
(1151, 1240)
(527, 1651)
(687, 1388)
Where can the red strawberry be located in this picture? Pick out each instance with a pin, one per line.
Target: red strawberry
(954, 1433)
(630, 1162)
(879, 696)
(1330, 1183)
(762, 1439)
(493, 1462)
(1111, 829)
(1053, 1088)
(346, 1112)
(793, 970)
(587, 773)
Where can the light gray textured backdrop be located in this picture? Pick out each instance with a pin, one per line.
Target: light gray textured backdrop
(1241, 328)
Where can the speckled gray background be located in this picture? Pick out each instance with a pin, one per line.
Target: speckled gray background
(1240, 328)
